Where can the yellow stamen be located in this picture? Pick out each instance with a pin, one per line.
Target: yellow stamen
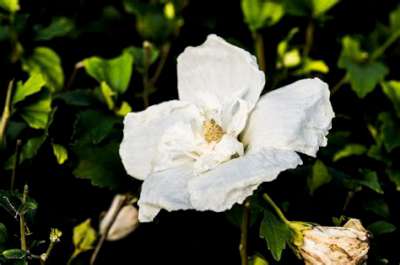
(212, 131)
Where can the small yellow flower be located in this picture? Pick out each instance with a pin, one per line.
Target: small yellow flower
(55, 235)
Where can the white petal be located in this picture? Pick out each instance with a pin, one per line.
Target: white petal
(165, 190)
(143, 131)
(233, 181)
(222, 152)
(295, 117)
(218, 73)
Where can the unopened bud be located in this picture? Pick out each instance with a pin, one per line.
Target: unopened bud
(125, 222)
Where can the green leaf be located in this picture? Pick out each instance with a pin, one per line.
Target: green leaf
(320, 176)
(350, 150)
(392, 91)
(371, 181)
(394, 176)
(258, 260)
(11, 201)
(78, 97)
(60, 152)
(322, 6)
(291, 58)
(139, 56)
(381, 227)
(28, 151)
(377, 206)
(310, 65)
(59, 27)
(84, 236)
(260, 13)
(107, 95)
(394, 18)
(93, 126)
(364, 75)
(46, 62)
(14, 254)
(302, 8)
(124, 109)
(390, 131)
(100, 164)
(115, 72)
(33, 85)
(276, 233)
(3, 234)
(37, 113)
(10, 5)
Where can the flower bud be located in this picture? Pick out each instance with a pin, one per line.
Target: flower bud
(324, 245)
(125, 222)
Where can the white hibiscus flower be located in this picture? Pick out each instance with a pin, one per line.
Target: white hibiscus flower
(220, 141)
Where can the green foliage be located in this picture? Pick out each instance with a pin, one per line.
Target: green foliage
(381, 227)
(36, 114)
(260, 13)
(84, 236)
(14, 254)
(3, 234)
(100, 164)
(33, 85)
(257, 260)
(390, 130)
(45, 61)
(116, 73)
(364, 75)
(276, 233)
(392, 91)
(350, 150)
(314, 8)
(10, 5)
(320, 176)
(60, 152)
(59, 27)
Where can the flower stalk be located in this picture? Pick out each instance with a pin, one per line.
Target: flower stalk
(103, 237)
(22, 220)
(260, 52)
(16, 163)
(309, 38)
(244, 232)
(6, 112)
(55, 236)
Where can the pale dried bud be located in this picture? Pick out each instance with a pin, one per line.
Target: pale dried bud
(347, 245)
(125, 222)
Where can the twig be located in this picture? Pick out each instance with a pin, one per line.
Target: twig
(6, 112)
(259, 46)
(16, 163)
(146, 82)
(71, 79)
(244, 231)
(339, 84)
(103, 237)
(22, 219)
(165, 49)
(349, 196)
(309, 38)
(381, 50)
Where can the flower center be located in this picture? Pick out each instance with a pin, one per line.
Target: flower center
(212, 131)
